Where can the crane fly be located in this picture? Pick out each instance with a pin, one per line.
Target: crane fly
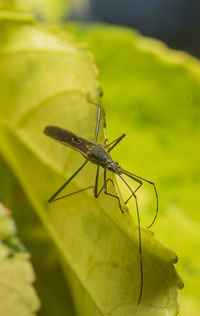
(98, 154)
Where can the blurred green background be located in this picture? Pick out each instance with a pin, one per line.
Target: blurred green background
(152, 94)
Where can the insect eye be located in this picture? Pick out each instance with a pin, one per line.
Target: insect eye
(74, 139)
(109, 168)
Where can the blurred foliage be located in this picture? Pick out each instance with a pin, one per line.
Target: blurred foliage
(17, 295)
(48, 10)
(8, 5)
(152, 94)
(45, 77)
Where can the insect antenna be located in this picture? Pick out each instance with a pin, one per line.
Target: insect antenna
(132, 175)
(139, 237)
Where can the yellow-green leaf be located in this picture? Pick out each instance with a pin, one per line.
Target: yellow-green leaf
(17, 294)
(152, 93)
(45, 80)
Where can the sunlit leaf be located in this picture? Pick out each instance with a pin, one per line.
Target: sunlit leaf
(152, 94)
(45, 80)
(16, 273)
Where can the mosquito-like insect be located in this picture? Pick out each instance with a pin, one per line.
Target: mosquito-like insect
(99, 155)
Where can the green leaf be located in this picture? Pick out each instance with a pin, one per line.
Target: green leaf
(45, 80)
(17, 295)
(152, 93)
(56, 299)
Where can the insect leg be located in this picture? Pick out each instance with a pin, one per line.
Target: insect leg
(96, 183)
(115, 142)
(53, 197)
(140, 184)
(139, 237)
(64, 196)
(131, 175)
(99, 111)
(96, 193)
(106, 192)
(138, 217)
(133, 192)
(97, 123)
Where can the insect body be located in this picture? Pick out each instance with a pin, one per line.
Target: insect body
(96, 154)
(99, 155)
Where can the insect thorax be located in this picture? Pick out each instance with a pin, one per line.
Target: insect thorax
(98, 155)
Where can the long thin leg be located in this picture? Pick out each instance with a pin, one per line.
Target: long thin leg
(139, 237)
(138, 217)
(105, 191)
(108, 179)
(96, 183)
(137, 180)
(134, 176)
(140, 184)
(96, 193)
(134, 193)
(53, 197)
(69, 194)
(115, 142)
(97, 123)
(99, 111)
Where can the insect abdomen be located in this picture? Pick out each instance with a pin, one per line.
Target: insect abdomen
(60, 134)
(67, 138)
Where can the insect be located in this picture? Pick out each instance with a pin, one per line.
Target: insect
(98, 154)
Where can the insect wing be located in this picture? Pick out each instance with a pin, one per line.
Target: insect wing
(67, 138)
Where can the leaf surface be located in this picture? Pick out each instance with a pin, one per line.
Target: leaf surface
(45, 79)
(152, 93)
(17, 294)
